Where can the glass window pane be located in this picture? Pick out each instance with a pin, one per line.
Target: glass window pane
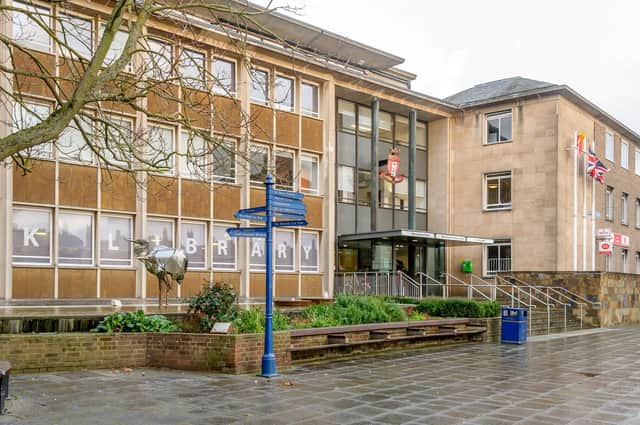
(492, 130)
(259, 86)
(309, 94)
(493, 192)
(115, 234)
(31, 236)
(505, 128)
(77, 36)
(160, 232)
(194, 242)
(421, 196)
(608, 149)
(308, 252)
(160, 149)
(115, 134)
(27, 31)
(284, 170)
(224, 162)
(364, 121)
(346, 184)
(402, 195)
(421, 135)
(158, 59)
(224, 248)
(364, 152)
(26, 115)
(71, 142)
(364, 187)
(117, 46)
(505, 190)
(192, 69)
(224, 73)
(346, 116)
(193, 156)
(385, 132)
(256, 255)
(309, 174)
(284, 250)
(385, 190)
(284, 93)
(75, 238)
(402, 130)
(259, 161)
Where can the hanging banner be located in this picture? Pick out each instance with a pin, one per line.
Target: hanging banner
(393, 167)
(620, 240)
(605, 247)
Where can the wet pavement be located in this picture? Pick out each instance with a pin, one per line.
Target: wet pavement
(586, 379)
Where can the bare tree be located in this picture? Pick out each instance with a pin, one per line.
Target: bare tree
(128, 69)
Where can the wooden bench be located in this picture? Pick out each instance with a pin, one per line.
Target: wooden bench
(5, 374)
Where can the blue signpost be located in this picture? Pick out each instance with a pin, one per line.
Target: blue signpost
(280, 204)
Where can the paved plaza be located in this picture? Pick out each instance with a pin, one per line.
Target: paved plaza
(587, 379)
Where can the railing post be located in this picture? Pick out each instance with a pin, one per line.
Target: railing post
(565, 317)
(580, 315)
(548, 319)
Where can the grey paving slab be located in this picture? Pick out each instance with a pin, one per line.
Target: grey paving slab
(585, 379)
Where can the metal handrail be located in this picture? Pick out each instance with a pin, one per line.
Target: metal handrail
(535, 288)
(406, 278)
(426, 285)
(573, 294)
(470, 287)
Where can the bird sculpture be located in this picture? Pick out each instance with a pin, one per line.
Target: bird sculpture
(169, 265)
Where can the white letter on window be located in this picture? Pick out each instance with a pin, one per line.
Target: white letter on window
(307, 250)
(255, 251)
(282, 251)
(30, 236)
(223, 248)
(111, 246)
(191, 247)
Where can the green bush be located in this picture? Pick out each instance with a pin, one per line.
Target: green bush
(135, 321)
(252, 321)
(214, 303)
(352, 310)
(458, 307)
(400, 300)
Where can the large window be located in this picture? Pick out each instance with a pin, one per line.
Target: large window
(75, 238)
(385, 126)
(608, 203)
(364, 121)
(637, 262)
(364, 187)
(624, 154)
(310, 99)
(421, 135)
(29, 28)
(115, 237)
(309, 252)
(192, 69)
(116, 133)
(498, 257)
(401, 197)
(624, 256)
(224, 73)
(497, 190)
(624, 209)
(258, 163)
(160, 232)
(256, 255)
(71, 143)
(284, 250)
(259, 86)
(193, 155)
(27, 115)
(421, 196)
(402, 130)
(224, 162)
(158, 59)
(608, 263)
(385, 193)
(76, 34)
(284, 93)
(609, 150)
(309, 174)
(193, 238)
(346, 116)
(116, 48)
(637, 162)
(637, 213)
(346, 184)
(499, 128)
(160, 151)
(31, 236)
(224, 248)
(284, 169)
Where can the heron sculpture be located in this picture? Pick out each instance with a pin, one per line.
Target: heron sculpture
(169, 265)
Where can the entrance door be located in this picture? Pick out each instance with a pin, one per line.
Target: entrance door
(401, 258)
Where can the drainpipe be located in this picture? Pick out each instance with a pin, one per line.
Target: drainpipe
(374, 162)
(412, 169)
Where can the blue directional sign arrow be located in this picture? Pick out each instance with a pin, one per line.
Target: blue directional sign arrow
(279, 211)
(247, 232)
(289, 215)
(245, 216)
(298, 206)
(296, 196)
(252, 210)
(290, 223)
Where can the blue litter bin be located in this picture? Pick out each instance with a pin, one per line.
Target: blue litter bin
(514, 325)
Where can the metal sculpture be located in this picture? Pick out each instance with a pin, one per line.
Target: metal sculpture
(169, 265)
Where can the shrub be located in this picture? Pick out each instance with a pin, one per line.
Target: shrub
(400, 300)
(353, 310)
(458, 307)
(252, 321)
(135, 321)
(214, 303)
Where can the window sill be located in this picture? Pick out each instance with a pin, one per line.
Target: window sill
(485, 209)
(259, 103)
(497, 143)
(314, 115)
(235, 270)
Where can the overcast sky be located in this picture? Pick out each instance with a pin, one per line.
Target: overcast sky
(592, 46)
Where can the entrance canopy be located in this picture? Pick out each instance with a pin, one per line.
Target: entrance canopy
(416, 236)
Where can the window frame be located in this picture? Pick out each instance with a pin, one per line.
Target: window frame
(303, 111)
(47, 147)
(637, 215)
(190, 85)
(485, 255)
(293, 251)
(624, 158)
(318, 256)
(252, 99)
(172, 159)
(174, 227)
(351, 201)
(235, 247)
(277, 150)
(269, 150)
(279, 104)
(609, 148)
(315, 157)
(205, 242)
(63, 157)
(624, 209)
(101, 27)
(497, 175)
(426, 205)
(25, 5)
(49, 211)
(92, 241)
(149, 73)
(113, 119)
(183, 160)
(217, 90)
(131, 219)
(637, 161)
(624, 260)
(499, 115)
(75, 15)
(609, 208)
(225, 179)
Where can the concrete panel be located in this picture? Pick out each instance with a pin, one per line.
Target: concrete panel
(364, 219)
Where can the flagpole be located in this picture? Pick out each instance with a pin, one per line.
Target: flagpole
(575, 202)
(593, 218)
(584, 212)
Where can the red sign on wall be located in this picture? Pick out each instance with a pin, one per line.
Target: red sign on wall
(605, 247)
(620, 240)
(393, 168)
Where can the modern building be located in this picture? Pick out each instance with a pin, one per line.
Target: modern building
(394, 180)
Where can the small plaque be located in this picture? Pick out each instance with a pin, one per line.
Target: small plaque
(221, 328)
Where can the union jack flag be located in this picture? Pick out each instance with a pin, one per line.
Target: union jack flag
(599, 171)
(592, 160)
